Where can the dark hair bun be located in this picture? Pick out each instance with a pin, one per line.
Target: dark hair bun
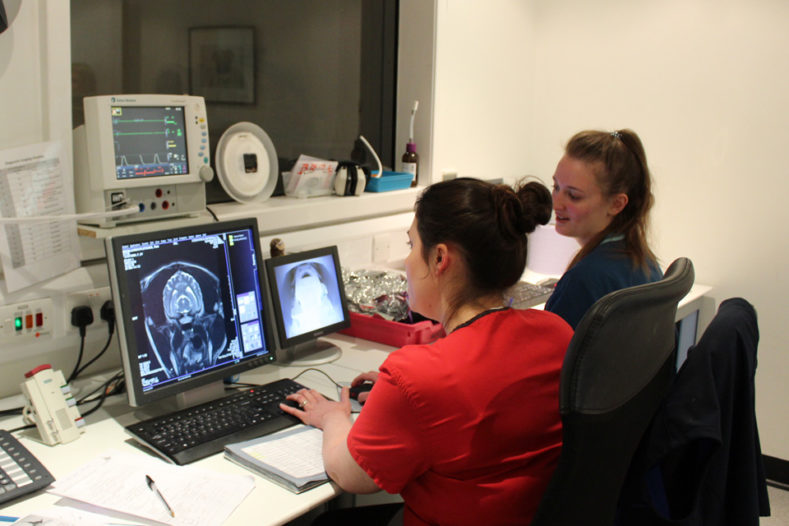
(523, 208)
(536, 204)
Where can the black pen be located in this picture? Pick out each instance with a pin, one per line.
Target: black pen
(152, 486)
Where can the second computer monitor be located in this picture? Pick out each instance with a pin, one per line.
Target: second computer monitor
(309, 302)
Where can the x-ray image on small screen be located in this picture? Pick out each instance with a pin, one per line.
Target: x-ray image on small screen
(308, 294)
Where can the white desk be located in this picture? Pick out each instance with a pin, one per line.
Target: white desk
(267, 504)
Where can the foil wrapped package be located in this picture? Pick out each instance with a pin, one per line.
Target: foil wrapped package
(379, 292)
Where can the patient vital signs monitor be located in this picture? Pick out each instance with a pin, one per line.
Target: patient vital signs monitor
(146, 151)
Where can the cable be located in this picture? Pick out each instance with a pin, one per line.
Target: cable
(81, 317)
(73, 374)
(107, 313)
(20, 428)
(322, 372)
(106, 391)
(93, 360)
(66, 217)
(375, 156)
(212, 214)
(84, 400)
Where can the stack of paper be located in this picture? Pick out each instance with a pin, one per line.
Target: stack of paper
(117, 481)
(291, 458)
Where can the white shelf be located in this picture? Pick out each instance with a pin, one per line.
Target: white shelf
(286, 214)
(277, 215)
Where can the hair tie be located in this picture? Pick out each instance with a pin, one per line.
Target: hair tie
(616, 135)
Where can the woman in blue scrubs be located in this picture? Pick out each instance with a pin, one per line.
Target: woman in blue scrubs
(601, 197)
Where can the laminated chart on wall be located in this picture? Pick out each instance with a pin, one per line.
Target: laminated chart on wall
(35, 181)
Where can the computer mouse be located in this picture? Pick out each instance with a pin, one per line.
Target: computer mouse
(361, 388)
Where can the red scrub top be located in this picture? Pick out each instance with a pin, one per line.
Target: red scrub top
(467, 429)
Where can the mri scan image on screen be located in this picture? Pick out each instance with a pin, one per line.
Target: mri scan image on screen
(191, 306)
(184, 319)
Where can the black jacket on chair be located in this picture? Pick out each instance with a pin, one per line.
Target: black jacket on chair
(701, 462)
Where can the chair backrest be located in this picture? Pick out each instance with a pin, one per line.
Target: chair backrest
(616, 371)
(704, 439)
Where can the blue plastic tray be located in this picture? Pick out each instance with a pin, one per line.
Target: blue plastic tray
(389, 181)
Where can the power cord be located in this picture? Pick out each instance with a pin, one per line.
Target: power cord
(81, 317)
(319, 371)
(243, 385)
(11, 412)
(212, 213)
(66, 217)
(113, 386)
(106, 313)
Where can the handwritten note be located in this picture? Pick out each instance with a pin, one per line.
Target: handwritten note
(116, 481)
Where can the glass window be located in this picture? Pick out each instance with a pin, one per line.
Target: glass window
(314, 74)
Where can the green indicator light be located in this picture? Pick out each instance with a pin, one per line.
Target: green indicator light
(18, 323)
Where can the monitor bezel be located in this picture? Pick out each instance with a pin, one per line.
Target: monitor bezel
(127, 339)
(286, 343)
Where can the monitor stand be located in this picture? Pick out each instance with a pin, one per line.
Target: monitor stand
(313, 352)
(192, 397)
(199, 395)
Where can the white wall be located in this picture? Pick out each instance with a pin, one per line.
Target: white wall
(34, 75)
(704, 84)
(484, 89)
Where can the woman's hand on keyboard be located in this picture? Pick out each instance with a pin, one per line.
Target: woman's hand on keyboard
(314, 409)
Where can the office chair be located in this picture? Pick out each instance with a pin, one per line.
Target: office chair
(704, 439)
(616, 371)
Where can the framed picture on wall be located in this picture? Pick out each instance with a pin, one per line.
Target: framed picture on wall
(222, 64)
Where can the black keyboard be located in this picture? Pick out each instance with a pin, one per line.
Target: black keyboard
(196, 432)
(20, 472)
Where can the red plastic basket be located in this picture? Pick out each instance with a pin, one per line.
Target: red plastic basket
(381, 330)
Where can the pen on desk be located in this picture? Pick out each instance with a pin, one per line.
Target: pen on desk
(152, 486)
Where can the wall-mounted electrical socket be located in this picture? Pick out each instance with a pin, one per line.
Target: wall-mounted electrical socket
(93, 298)
(449, 174)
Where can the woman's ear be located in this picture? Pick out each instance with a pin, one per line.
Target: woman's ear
(441, 258)
(617, 203)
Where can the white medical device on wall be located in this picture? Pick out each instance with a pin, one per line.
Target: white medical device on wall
(246, 163)
(147, 151)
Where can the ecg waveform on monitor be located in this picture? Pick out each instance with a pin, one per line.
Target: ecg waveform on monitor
(149, 141)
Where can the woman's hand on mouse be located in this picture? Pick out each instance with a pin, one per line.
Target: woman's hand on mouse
(314, 409)
(369, 376)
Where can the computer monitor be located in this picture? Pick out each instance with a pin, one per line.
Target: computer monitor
(309, 301)
(147, 151)
(191, 308)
